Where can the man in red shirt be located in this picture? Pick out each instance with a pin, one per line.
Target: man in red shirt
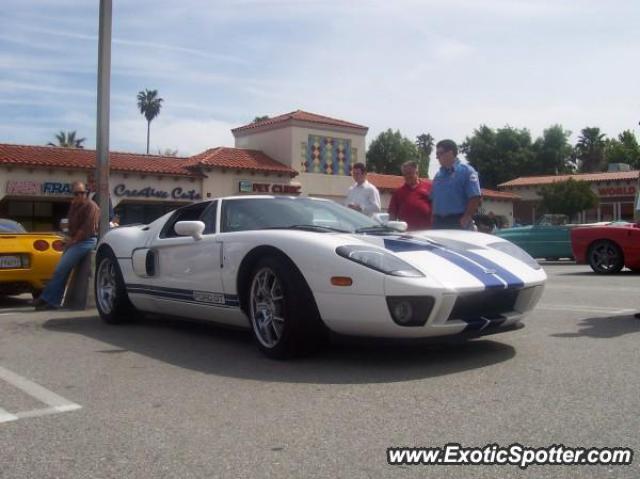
(412, 201)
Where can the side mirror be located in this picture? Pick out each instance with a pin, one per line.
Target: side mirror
(190, 228)
(397, 225)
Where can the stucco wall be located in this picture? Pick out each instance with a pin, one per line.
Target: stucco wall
(275, 142)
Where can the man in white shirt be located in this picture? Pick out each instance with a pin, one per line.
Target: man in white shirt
(362, 196)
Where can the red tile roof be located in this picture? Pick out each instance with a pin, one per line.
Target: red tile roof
(56, 157)
(241, 159)
(385, 182)
(590, 177)
(390, 183)
(300, 116)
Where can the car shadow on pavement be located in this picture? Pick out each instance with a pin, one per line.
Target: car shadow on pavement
(623, 273)
(214, 350)
(604, 327)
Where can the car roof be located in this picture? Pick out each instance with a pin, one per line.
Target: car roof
(11, 226)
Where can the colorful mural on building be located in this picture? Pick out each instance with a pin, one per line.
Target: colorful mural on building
(327, 155)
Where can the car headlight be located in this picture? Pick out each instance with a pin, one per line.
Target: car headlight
(378, 259)
(517, 252)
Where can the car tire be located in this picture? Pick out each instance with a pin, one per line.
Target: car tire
(605, 257)
(35, 294)
(282, 311)
(111, 296)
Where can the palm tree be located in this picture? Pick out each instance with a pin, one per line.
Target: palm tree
(425, 143)
(590, 149)
(68, 140)
(149, 105)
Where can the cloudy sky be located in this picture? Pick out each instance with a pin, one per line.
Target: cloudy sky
(427, 66)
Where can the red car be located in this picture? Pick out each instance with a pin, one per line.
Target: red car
(607, 248)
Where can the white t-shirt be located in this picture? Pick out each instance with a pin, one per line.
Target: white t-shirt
(366, 196)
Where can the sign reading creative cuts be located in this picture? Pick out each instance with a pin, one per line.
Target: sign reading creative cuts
(177, 193)
(245, 186)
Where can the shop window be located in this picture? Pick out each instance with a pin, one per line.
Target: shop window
(626, 212)
(20, 208)
(42, 209)
(606, 212)
(591, 216)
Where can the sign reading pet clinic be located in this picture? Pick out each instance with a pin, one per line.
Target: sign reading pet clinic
(148, 192)
(245, 186)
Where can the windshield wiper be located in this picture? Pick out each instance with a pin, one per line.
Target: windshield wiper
(376, 229)
(307, 227)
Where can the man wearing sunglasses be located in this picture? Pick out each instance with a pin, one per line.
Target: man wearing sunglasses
(83, 216)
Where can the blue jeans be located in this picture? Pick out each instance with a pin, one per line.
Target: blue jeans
(54, 290)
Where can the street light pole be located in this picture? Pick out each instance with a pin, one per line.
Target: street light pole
(102, 129)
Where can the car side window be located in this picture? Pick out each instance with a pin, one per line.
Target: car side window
(186, 213)
(209, 218)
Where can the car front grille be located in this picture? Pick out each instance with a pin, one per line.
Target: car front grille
(484, 304)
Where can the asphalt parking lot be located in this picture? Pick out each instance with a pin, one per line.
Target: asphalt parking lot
(158, 399)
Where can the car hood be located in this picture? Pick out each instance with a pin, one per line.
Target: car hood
(456, 258)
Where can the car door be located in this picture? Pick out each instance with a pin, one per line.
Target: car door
(187, 278)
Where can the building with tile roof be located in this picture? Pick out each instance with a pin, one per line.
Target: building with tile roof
(294, 153)
(617, 192)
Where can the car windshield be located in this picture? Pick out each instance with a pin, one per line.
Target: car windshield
(10, 226)
(244, 214)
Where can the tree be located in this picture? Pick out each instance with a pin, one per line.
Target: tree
(389, 151)
(68, 140)
(424, 143)
(568, 197)
(552, 153)
(149, 105)
(260, 118)
(624, 149)
(499, 155)
(590, 150)
(167, 152)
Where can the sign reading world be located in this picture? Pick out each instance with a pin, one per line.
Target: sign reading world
(629, 190)
(177, 193)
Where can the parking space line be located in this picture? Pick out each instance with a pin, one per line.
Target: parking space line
(7, 416)
(55, 402)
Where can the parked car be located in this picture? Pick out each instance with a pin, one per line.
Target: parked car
(549, 238)
(27, 260)
(607, 248)
(293, 269)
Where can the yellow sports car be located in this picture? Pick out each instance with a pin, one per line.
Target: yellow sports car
(27, 260)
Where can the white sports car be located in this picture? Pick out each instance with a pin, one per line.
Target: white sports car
(294, 268)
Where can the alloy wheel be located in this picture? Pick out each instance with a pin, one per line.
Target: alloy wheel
(106, 289)
(267, 307)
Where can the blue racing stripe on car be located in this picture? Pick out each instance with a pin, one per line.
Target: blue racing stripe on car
(488, 272)
(488, 278)
(512, 280)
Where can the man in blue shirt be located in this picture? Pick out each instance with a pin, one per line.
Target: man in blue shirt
(455, 191)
